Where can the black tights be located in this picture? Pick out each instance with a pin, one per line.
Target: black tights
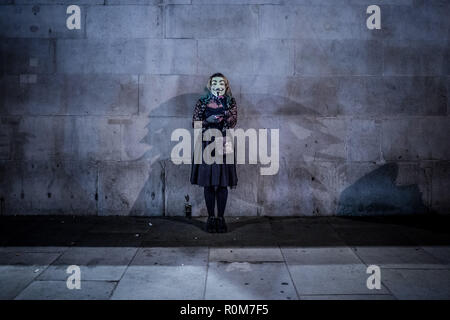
(210, 196)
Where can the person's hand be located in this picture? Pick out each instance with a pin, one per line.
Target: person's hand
(213, 119)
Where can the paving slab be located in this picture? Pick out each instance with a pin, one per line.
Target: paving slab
(301, 232)
(15, 278)
(246, 254)
(320, 256)
(398, 257)
(440, 252)
(248, 281)
(102, 263)
(332, 279)
(170, 256)
(174, 258)
(349, 297)
(406, 284)
(161, 282)
(27, 258)
(57, 290)
(18, 269)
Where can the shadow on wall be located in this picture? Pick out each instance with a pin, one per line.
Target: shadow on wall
(159, 131)
(377, 194)
(315, 142)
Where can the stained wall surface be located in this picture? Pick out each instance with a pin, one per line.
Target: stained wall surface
(86, 115)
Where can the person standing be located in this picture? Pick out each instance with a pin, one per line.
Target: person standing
(216, 109)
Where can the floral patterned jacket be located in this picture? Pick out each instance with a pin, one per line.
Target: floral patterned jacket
(230, 114)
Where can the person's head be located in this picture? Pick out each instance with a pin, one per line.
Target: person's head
(219, 85)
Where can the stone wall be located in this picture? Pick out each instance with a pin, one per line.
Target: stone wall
(87, 115)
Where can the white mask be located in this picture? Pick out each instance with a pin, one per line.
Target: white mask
(218, 86)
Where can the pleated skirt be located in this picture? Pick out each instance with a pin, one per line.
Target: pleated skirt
(214, 174)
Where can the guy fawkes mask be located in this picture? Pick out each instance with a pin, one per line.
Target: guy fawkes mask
(218, 86)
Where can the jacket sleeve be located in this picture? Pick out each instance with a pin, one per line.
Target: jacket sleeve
(231, 114)
(198, 114)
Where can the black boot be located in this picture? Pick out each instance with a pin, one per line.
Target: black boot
(211, 224)
(221, 226)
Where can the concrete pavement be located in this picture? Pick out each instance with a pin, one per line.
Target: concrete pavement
(260, 258)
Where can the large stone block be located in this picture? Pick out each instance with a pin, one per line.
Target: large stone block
(448, 95)
(5, 140)
(288, 96)
(29, 94)
(57, 290)
(211, 21)
(97, 138)
(416, 139)
(441, 187)
(131, 188)
(27, 56)
(67, 2)
(47, 21)
(303, 138)
(114, 95)
(310, 21)
(313, 139)
(60, 187)
(426, 21)
(48, 137)
(299, 188)
(325, 57)
(39, 138)
(131, 56)
(422, 284)
(241, 201)
(381, 96)
(246, 57)
(145, 2)
(415, 95)
(154, 135)
(12, 196)
(177, 187)
(391, 188)
(414, 57)
(134, 133)
(170, 95)
(70, 95)
(128, 21)
(363, 142)
(343, 95)
(230, 2)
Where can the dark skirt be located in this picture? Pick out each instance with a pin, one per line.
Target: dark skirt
(215, 174)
